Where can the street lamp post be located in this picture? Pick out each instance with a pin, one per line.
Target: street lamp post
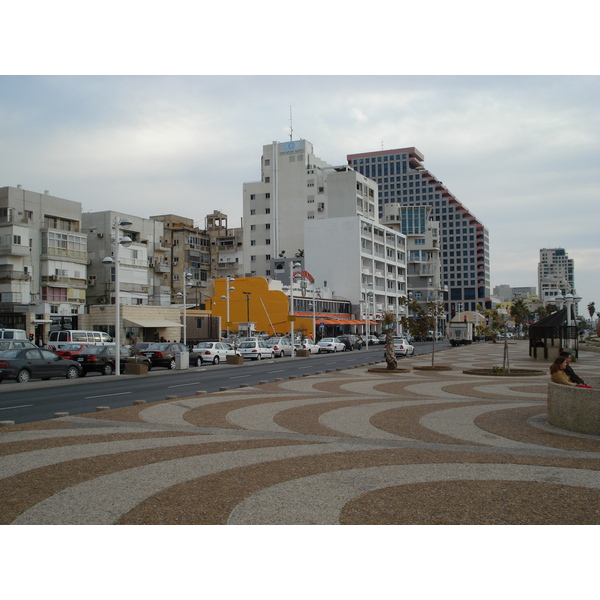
(126, 241)
(186, 283)
(226, 297)
(293, 265)
(248, 294)
(369, 294)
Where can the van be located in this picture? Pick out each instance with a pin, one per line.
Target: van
(58, 339)
(13, 334)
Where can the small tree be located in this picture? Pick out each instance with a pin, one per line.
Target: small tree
(390, 354)
(423, 321)
(497, 322)
(591, 309)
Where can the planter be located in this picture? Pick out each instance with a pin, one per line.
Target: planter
(235, 360)
(513, 372)
(384, 370)
(303, 353)
(136, 369)
(435, 368)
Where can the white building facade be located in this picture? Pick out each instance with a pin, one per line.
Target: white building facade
(43, 261)
(326, 217)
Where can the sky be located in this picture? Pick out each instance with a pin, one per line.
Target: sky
(164, 108)
(518, 145)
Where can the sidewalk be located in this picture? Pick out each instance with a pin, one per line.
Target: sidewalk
(347, 447)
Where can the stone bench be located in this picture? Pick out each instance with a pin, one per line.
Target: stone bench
(575, 409)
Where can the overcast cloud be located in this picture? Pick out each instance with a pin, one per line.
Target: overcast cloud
(521, 152)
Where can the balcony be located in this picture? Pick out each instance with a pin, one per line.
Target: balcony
(13, 276)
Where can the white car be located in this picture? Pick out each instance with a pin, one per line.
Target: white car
(213, 352)
(255, 350)
(281, 346)
(308, 345)
(402, 347)
(331, 344)
(373, 340)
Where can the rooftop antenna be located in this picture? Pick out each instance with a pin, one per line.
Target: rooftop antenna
(291, 128)
(382, 144)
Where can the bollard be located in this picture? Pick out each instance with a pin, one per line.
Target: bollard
(278, 379)
(99, 408)
(262, 382)
(58, 415)
(6, 423)
(200, 392)
(243, 385)
(172, 397)
(135, 402)
(223, 389)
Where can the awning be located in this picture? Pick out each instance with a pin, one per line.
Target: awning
(158, 323)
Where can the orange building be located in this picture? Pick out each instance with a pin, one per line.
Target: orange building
(251, 300)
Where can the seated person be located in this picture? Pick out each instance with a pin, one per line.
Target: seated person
(569, 371)
(557, 371)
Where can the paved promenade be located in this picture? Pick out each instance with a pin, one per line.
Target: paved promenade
(345, 447)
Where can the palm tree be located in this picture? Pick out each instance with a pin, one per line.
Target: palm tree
(519, 312)
(591, 309)
(390, 354)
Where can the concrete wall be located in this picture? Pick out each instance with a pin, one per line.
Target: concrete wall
(575, 409)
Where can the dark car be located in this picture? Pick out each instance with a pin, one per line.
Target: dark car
(141, 347)
(352, 342)
(164, 355)
(12, 344)
(22, 364)
(102, 359)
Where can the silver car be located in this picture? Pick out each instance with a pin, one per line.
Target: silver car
(402, 347)
(281, 346)
(331, 344)
(213, 352)
(255, 350)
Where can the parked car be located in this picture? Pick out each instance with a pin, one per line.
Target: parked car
(255, 350)
(402, 347)
(281, 346)
(140, 347)
(331, 344)
(102, 359)
(308, 345)
(213, 352)
(373, 340)
(352, 342)
(71, 350)
(164, 355)
(11, 344)
(23, 364)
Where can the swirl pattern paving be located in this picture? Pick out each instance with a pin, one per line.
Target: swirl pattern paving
(355, 447)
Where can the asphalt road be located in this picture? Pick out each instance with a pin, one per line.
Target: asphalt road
(41, 400)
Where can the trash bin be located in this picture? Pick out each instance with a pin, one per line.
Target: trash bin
(182, 360)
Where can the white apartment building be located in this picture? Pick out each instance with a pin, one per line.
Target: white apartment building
(326, 216)
(556, 274)
(423, 245)
(43, 261)
(145, 266)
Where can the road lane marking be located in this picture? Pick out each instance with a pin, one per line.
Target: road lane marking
(107, 395)
(11, 407)
(182, 385)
